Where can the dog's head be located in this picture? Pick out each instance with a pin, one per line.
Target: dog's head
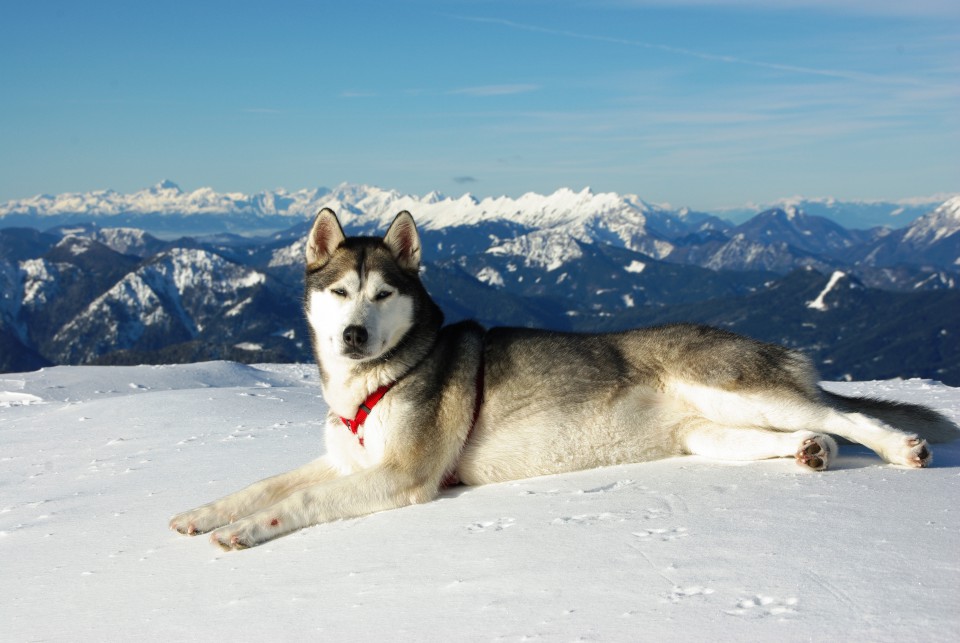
(361, 291)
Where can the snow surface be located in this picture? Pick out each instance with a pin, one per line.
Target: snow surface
(819, 303)
(96, 459)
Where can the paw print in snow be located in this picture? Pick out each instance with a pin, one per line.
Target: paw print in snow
(492, 525)
(761, 606)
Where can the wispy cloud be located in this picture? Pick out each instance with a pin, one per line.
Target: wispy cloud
(861, 7)
(464, 179)
(691, 53)
(496, 90)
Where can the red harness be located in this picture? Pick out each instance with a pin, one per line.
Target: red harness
(367, 407)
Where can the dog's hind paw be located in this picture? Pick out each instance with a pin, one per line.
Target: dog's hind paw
(816, 451)
(913, 453)
(920, 455)
(906, 450)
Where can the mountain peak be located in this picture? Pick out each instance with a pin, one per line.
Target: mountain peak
(167, 185)
(950, 209)
(783, 218)
(937, 225)
(785, 213)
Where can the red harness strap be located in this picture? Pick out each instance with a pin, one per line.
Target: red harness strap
(365, 409)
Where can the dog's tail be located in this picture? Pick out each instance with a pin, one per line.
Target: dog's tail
(911, 418)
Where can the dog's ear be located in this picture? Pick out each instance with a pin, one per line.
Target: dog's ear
(403, 240)
(325, 235)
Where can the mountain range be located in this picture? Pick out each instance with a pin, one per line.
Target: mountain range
(166, 210)
(79, 287)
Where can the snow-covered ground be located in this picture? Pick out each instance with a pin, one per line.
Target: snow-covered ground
(94, 460)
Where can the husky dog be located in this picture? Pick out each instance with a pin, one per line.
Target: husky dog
(415, 405)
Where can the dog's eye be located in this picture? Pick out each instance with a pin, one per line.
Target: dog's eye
(383, 294)
(339, 292)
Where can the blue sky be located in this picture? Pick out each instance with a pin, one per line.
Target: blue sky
(699, 103)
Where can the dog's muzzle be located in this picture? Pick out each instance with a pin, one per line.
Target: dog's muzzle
(355, 340)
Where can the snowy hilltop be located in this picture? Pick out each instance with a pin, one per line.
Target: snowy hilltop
(96, 460)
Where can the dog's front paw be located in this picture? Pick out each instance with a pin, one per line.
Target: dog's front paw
(247, 533)
(199, 520)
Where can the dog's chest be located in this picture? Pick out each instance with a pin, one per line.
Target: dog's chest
(361, 450)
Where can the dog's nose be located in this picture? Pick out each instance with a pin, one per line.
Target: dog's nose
(355, 336)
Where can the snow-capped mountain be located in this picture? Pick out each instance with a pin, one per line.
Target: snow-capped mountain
(364, 205)
(165, 198)
(545, 226)
(626, 221)
(935, 227)
(165, 204)
(933, 239)
(85, 292)
(82, 300)
(856, 215)
(547, 249)
(803, 231)
(739, 252)
(777, 240)
(170, 299)
(167, 210)
(128, 241)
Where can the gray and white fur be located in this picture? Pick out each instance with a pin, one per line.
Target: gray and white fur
(483, 406)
